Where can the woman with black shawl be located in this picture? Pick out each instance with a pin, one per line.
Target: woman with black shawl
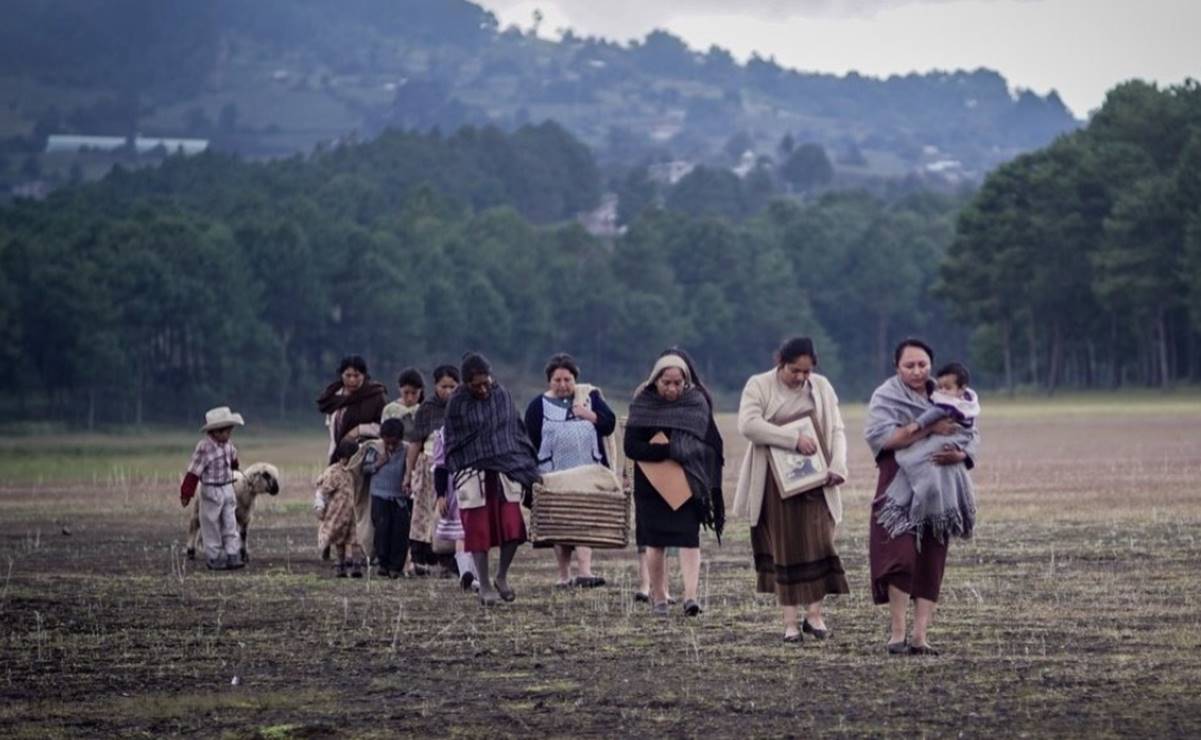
(419, 475)
(673, 405)
(490, 463)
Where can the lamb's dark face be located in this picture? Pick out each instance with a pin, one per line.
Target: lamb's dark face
(266, 483)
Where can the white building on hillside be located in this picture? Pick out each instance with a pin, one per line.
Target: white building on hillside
(141, 144)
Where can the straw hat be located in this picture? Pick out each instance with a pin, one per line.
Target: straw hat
(219, 418)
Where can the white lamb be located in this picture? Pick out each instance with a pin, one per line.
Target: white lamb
(259, 478)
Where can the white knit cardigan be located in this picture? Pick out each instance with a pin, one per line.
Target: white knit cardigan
(761, 399)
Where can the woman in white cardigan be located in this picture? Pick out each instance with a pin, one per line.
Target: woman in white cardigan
(793, 538)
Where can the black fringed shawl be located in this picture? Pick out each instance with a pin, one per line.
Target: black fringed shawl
(695, 444)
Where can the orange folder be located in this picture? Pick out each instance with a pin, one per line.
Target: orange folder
(667, 477)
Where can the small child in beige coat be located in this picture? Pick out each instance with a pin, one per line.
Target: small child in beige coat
(334, 505)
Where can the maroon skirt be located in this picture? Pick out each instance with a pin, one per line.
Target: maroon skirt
(498, 522)
(896, 561)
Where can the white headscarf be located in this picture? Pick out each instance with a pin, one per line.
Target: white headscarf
(665, 362)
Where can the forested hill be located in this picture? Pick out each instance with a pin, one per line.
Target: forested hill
(213, 279)
(273, 77)
(210, 279)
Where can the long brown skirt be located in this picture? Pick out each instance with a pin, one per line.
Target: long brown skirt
(794, 548)
(896, 561)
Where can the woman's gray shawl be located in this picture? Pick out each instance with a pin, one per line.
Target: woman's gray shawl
(924, 496)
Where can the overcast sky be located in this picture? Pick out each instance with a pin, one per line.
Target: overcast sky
(1079, 47)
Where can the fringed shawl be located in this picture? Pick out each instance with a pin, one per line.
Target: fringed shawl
(695, 444)
(924, 496)
(488, 434)
(364, 406)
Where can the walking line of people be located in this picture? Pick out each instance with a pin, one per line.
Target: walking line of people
(433, 484)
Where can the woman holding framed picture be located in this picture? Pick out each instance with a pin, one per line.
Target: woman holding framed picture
(788, 486)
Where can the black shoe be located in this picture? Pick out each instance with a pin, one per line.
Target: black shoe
(383, 573)
(922, 650)
(356, 569)
(588, 581)
(691, 608)
(217, 564)
(794, 638)
(506, 593)
(898, 648)
(233, 562)
(466, 580)
(817, 634)
(325, 553)
(642, 596)
(340, 569)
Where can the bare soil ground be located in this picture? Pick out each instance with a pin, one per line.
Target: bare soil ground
(1075, 612)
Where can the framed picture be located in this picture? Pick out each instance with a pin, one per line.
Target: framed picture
(796, 473)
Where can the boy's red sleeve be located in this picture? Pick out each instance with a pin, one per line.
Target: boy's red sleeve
(187, 489)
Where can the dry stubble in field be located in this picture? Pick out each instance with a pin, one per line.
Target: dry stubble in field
(1074, 612)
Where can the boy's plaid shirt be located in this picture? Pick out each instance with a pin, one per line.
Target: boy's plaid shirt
(213, 463)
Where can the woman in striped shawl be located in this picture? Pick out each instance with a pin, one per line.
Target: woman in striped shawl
(489, 464)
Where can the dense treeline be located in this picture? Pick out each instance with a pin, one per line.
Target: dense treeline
(1081, 263)
(153, 293)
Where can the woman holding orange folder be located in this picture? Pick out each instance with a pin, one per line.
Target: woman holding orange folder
(677, 449)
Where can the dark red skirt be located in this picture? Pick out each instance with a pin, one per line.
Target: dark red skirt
(896, 561)
(498, 522)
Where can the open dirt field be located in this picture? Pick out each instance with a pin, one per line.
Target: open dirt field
(1075, 612)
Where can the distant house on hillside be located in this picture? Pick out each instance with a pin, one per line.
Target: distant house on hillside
(34, 190)
(950, 170)
(669, 173)
(602, 221)
(141, 144)
(746, 163)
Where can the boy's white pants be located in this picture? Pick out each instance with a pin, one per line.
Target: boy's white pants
(218, 524)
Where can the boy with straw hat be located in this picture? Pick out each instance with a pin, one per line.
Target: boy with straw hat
(212, 465)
